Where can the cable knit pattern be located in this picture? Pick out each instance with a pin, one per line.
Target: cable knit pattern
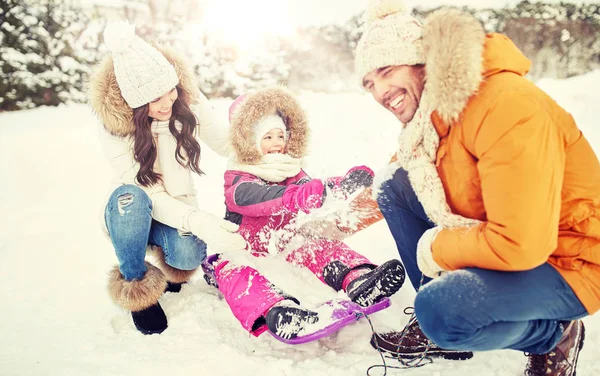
(273, 168)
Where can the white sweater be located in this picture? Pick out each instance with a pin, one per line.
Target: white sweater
(172, 211)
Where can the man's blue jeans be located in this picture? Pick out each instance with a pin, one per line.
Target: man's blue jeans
(131, 228)
(476, 309)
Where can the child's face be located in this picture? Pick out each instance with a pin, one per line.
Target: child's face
(273, 142)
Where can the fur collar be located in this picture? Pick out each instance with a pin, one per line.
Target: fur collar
(108, 104)
(453, 44)
(272, 101)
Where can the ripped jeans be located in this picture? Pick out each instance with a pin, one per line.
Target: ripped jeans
(131, 229)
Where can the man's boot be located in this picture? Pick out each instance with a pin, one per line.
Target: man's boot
(412, 343)
(562, 359)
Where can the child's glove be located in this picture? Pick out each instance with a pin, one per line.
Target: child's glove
(356, 178)
(220, 235)
(304, 197)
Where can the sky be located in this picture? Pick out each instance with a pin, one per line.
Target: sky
(318, 12)
(334, 11)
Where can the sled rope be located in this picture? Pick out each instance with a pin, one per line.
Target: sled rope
(416, 362)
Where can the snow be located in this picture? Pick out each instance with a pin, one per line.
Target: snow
(57, 318)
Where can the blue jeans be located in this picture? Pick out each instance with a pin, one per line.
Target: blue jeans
(131, 228)
(477, 309)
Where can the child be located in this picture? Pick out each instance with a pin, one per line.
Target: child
(269, 127)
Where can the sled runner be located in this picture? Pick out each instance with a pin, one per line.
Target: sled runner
(343, 312)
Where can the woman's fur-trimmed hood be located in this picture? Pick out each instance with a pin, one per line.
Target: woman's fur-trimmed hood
(108, 104)
(453, 44)
(256, 106)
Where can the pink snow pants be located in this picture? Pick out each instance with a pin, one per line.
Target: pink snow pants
(250, 295)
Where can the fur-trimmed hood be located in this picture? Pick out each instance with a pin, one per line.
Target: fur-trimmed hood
(256, 106)
(457, 59)
(108, 104)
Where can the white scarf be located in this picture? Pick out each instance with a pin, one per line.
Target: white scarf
(273, 168)
(176, 178)
(418, 145)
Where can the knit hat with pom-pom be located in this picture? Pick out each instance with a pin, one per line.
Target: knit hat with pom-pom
(391, 37)
(142, 72)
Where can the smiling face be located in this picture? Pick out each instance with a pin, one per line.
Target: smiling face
(273, 142)
(398, 88)
(161, 108)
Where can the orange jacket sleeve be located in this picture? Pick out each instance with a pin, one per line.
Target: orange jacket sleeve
(521, 161)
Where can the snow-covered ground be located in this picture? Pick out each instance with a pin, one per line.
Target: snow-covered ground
(57, 318)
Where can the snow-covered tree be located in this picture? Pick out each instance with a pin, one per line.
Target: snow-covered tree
(38, 57)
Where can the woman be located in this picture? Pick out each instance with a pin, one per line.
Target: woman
(151, 109)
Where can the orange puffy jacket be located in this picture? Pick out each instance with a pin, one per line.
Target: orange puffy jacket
(517, 161)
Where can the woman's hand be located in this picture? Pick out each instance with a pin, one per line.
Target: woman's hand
(220, 235)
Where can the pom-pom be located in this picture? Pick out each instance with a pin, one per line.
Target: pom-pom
(379, 9)
(118, 36)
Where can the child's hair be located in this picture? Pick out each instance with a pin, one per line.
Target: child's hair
(145, 150)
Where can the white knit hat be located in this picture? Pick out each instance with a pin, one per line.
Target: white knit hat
(391, 37)
(266, 124)
(142, 72)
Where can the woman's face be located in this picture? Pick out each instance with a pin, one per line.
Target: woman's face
(162, 107)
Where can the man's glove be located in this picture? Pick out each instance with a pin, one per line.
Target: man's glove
(356, 178)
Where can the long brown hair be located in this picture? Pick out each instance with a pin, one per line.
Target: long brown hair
(145, 149)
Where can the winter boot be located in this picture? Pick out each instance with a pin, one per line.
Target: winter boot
(175, 277)
(413, 344)
(140, 297)
(173, 287)
(562, 360)
(383, 281)
(151, 320)
(286, 319)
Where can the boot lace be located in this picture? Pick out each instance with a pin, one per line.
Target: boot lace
(416, 362)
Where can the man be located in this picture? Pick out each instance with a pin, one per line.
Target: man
(496, 193)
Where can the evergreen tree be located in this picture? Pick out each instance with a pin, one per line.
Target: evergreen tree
(38, 61)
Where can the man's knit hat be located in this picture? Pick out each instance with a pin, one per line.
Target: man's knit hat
(142, 72)
(391, 37)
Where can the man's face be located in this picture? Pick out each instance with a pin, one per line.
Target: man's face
(397, 88)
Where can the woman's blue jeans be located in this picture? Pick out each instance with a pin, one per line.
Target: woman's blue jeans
(131, 228)
(477, 309)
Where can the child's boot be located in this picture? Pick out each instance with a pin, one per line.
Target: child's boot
(373, 285)
(286, 319)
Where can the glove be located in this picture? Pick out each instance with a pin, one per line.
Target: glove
(356, 178)
(309, 195)
(220, 235)
(425, 260)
